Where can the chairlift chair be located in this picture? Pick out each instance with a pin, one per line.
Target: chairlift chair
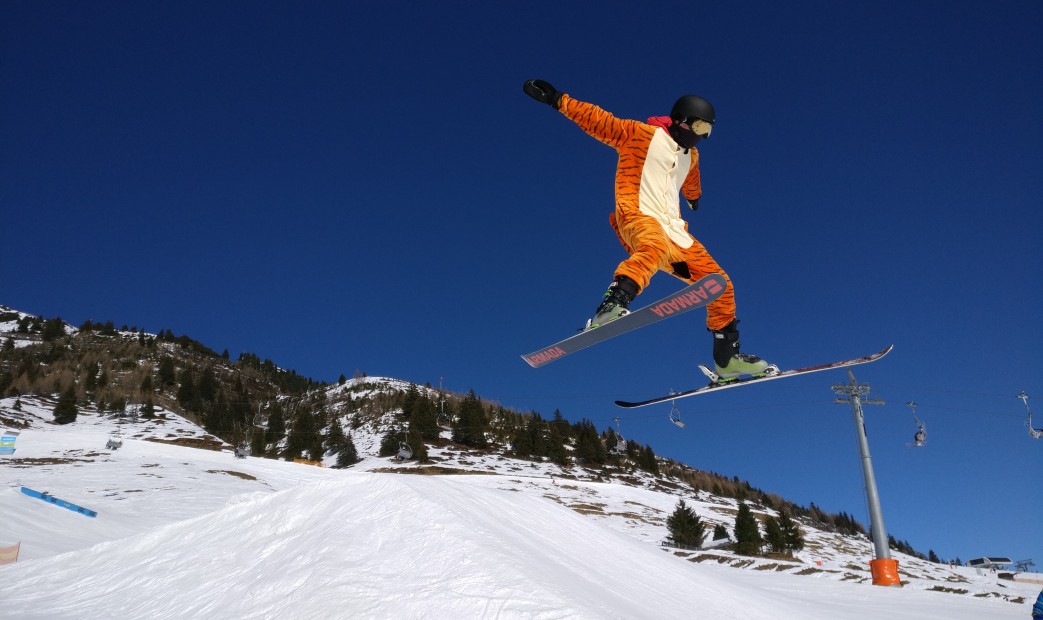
(261, 419)
(621, 444)
(675, 413)
(920, 438)
(1035, 433)
(115, 441)
(443, 419)
(404, 452)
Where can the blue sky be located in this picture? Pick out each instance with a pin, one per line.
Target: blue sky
(341, 188)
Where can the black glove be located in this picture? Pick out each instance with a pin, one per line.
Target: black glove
(694, 204)
(543, 92)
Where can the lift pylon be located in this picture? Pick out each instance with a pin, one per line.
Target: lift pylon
(883, 567)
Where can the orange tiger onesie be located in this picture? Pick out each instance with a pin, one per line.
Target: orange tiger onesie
(652, 171)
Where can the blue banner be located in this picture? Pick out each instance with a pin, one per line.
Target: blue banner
(47, 497)
(7, 442)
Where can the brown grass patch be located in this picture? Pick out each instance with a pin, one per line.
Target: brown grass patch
(588, 509)
(237, 474)
(710, 557)
(202, 443)
(34, 462)
(809, 571)
(431, 470)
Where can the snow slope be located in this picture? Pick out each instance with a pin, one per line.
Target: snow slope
(192, 533)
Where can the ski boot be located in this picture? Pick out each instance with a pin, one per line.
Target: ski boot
(615, 302)
(729, 363)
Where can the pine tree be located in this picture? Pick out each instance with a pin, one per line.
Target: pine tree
(341, 445)
(588, 443)
(561, 426)
(207, 388)
(347, 455)
(748, 539)
(240, 409)
(539, 435)
(389, 443)
(556, 450)
(521, 444)
(219, 419)
(304, 439)
(53, 329)
(410, 400)
(773, 535)
(166, 374)
(501, 425)
(686, 528)
(187, 396)
(424, 418)
(471, 424)
(646, 460)
(66, 411)
(720, 532)
(335, 438)
(416, 444)
(90, 379)
(554, 437)
(791, 531)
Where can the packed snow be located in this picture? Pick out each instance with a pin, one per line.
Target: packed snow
(185, 532)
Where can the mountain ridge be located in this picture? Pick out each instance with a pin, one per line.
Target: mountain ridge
(119, 371)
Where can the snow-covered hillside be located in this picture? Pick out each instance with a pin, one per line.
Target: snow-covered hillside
(187, 532)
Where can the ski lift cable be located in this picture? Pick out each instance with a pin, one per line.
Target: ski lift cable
(965, 410)
(729, 410)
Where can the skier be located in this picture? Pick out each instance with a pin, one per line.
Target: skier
(1037, 608)
(657, 163)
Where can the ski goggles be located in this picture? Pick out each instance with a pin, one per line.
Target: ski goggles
(698, 126)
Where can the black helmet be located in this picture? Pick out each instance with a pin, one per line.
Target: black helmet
(691, 106)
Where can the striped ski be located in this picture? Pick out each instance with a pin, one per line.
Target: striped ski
(696, 295)
(715, 385)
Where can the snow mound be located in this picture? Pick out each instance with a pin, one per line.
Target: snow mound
(433, 543)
